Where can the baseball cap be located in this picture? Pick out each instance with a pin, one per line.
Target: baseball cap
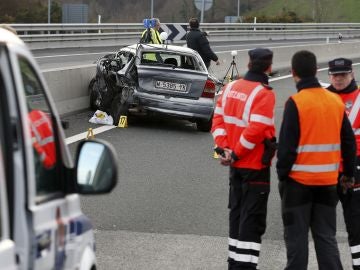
(340, 65)
(260, 53)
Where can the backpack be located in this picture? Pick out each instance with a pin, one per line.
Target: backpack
(146, 37)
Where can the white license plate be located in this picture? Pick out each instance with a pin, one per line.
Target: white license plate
(180, 87)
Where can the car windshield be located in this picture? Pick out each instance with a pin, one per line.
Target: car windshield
(174, 60)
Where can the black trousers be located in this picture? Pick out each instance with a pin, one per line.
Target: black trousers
(248, 197)
(350, 202)
(313, 207)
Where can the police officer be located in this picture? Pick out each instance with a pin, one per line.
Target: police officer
(343, 83)
(315, 134)
(243, 120)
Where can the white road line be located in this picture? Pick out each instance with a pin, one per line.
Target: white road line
(82, 136)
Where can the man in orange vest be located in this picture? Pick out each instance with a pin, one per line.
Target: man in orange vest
(243, 129)
(315, 134)
(343, 83)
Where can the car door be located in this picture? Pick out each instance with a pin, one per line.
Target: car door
(7, 245)
(54, 218)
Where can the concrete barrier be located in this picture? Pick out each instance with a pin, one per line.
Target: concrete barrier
(69, 86)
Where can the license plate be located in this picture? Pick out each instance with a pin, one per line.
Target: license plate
(180, 87)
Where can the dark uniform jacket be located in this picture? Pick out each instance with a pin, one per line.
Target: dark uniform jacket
(197, 41)
(290, 136)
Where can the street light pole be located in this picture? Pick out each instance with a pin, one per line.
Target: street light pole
(202, 11)
(152, 9)
(49, 11)
(238, 10)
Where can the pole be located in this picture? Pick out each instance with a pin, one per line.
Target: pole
(238, 10)
(202, 11)
(152, 9)
(49, 11)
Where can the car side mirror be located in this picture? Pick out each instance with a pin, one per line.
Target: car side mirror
(96, 167)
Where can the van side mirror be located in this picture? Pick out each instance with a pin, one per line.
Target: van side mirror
(96, 167)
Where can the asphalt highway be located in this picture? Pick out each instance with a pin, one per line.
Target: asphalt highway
(169, 210)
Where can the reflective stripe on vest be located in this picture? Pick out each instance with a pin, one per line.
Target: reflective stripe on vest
(354, 110)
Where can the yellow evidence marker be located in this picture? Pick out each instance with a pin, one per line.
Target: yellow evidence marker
(90, 134)
(123, 122)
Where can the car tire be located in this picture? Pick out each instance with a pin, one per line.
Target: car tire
(118, 109)
(93, 95)
(204, 125)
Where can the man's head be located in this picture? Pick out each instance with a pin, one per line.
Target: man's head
(260, 60)
(340, 73)
(157, 23)
(303, 65)
(194, 23)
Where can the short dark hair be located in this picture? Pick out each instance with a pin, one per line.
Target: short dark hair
(304, 64)
(194, 23)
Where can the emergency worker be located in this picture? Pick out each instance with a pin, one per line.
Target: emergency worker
(243, 128)
(196, 40)
(43, 138)
(343, 83)
(315, 134)
(154, 32)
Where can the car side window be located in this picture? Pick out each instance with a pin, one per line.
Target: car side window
(41, 126)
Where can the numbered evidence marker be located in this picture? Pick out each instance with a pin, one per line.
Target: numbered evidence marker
(215, 154)
(123, 121)
(90, 134)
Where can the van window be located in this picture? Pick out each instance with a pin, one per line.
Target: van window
(42, 130)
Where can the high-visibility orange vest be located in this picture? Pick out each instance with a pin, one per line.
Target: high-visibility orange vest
(43, 137)
(318, 153)
(243, 118)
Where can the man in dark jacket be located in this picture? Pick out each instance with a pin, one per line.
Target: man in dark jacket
(197, 41)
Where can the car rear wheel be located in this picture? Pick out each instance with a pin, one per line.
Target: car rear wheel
(118, 109)
(204, 125)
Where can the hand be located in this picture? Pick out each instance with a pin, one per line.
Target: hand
(226, 158)
(346, 183)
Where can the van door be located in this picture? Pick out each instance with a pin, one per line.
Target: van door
(7, 246)
(60, 235)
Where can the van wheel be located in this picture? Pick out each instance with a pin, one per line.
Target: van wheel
(93, 95)
(204, 125)
(118, 109)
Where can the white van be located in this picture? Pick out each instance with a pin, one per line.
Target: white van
(41, 223)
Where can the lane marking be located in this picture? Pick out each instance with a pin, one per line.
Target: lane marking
(82, 136)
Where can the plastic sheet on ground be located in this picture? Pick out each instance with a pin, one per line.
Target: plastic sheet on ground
(102, 118)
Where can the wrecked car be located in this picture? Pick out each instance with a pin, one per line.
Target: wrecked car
(152, 78)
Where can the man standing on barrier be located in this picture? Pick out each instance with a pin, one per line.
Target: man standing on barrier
(244, 132)
(343, 83)
(315, 134)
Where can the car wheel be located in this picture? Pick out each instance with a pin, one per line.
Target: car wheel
(93, 95)
(118, 109)
(204, 125)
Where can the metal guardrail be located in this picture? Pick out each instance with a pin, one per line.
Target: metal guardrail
(69, 35)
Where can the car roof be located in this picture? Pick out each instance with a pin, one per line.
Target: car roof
(8, 37)
(173, 48)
